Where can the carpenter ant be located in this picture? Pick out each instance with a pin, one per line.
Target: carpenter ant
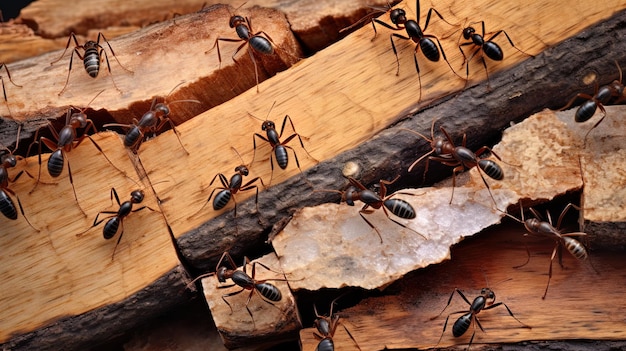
(485, 301)
(536, 226)
(7, 207)
(229, 189)
(151, 122)
(67, 140)
(459, 157)
(487, 47)
(10, 80)
(115, 223)
(268, 292)
(91, 59)
(279, 148)
(601, 97)
(326, 326)
(416, 34)
(357, 191)
(256, 42)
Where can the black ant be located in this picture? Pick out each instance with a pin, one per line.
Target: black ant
(66, 141)
(229, 189)
(601, 97)
(91, 59)
(269, 293)
(261, 44)
(115, 223)
(357, 191)
(485, 301)
(10, 80)
(536, 226)
(7, 207)
(459, 157)
(487, 47)
(326, 326)
(151, 122)
(416, 34)
(279, 149)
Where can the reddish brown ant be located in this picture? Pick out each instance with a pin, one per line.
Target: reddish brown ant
(459, 157)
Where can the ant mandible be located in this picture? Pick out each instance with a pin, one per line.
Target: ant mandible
(279, 149)
(151, 122)
(487, 47)
(536, 226)
(115, 223)
(91, 59)
(326, 326)
(256, 42)
(485, 301)
(229, 189)
(268, 292)
(601, 97)
(459, 157)
(66, 141)
(417, 35)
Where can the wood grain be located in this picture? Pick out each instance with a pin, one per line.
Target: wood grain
(401, 318)
(358, 84)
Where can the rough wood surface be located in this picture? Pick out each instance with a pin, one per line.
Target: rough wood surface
(401, 318)
(548, 80)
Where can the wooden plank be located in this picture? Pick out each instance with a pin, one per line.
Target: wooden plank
(181, 172)
(402, 318)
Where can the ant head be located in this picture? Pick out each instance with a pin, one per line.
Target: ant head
(236, 20)
(161, 107)
(221, 274)
(398, 16)
(349, 195)
(136, 196)
(78, 119)
(489, 295)
(467, 32)
(8, 160)
(268, 125)
(322, 325)
(243, 170)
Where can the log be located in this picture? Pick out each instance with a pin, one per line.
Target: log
(375, 105)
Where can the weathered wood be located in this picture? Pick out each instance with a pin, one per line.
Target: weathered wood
(513, 96)
(401, 318)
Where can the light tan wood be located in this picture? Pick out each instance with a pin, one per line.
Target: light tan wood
(337, 99)
(580, 304)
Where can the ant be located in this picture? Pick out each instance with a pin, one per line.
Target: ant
(151, 121)
(357, 191)
(416, 34)
(485, 301)
(256, 42)
(601, 97)
(229, 189)
(7, 207)
(459, 157)
(91, 58)
(536, 226)
(279, 148)
(67, 140)
(326, 326)
(269, 293)
(6, 68)
(115, 222)
(487, 47)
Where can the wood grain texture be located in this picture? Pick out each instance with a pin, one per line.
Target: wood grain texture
(401, 318)
(364, 89)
